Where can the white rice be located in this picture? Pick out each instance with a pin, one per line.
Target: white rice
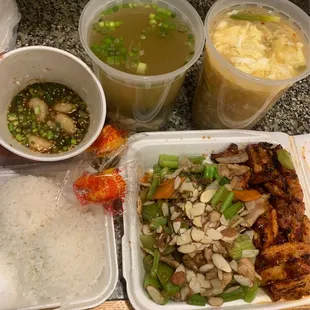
(56, 249)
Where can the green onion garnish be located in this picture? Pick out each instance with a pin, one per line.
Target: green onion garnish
(255, 17)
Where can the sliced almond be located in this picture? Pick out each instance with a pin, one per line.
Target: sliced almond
(176, 226)
(177, 182)
(175, 215)
(197, 234)
(227, 277)
(147, 203)
(220, 274)
(206, 240)
(215, 301)
(231, 289)
(234, 266)
(205, 268)
(197, 244)
(146, 230)
(175, 174)
(181, 268)
(243, 280)
(198, 209)
(250, 253)
(159, 229)
(197, 221)
(156, 295)
(238, 222)
(188, 206)
(214, 234)
(220, 262)
(182, 231)
(200, 277)
(195, 193)
(187, 248)
(223, 220)
(214, 216)
(172, 209)
(185, 291)
(195, 285)
(186, 187)
(173, 240)
(189, 274)
(207, 254)
(184, 238)
(207, 195)
(165, 209)
(192, 255)
(209, 208)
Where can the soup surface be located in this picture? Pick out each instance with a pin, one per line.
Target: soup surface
(261, 43)
(48, 117)
(141, 38)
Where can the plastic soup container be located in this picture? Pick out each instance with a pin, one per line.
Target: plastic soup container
(140, 102)
(227, 97)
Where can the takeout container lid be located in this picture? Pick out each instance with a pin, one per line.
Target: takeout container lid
(147, 150)
(107, 281)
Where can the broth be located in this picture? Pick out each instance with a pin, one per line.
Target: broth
(144, 40)
(140, 38)
(48, 117)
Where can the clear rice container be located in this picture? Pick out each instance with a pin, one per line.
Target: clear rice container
(107, 281)
(192, 143)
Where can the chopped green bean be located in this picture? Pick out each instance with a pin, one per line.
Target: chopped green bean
(164, 273)
(196, 300)
(155, 263)
(227, 202)
(150, 211)
(220, 193)
(250, 292)
(285, 159)
(149, 280)
(171, 289)
(197, 160)
(157, 222)
(148, 242)
(231, 211)
(233, 295)
(148, 262)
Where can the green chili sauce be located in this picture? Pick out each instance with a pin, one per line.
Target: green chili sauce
(26, 120)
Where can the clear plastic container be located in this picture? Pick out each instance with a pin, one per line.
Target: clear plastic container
(139, 102)
(229, 98)
(64, 172)
(191, 143)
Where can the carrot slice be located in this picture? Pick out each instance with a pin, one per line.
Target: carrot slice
(247, 195)
(165, 190)
(146, 178)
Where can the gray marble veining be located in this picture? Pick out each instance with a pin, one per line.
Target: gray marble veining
(55, 23)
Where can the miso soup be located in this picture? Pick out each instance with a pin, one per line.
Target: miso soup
(147, 40)
(48, 118)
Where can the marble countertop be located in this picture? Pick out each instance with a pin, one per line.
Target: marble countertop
(55, 23)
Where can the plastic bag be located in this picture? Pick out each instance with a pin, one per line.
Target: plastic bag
(9, 19)
(105, 185)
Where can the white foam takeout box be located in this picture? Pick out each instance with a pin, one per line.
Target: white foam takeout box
(147, 150)
(109, 276)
